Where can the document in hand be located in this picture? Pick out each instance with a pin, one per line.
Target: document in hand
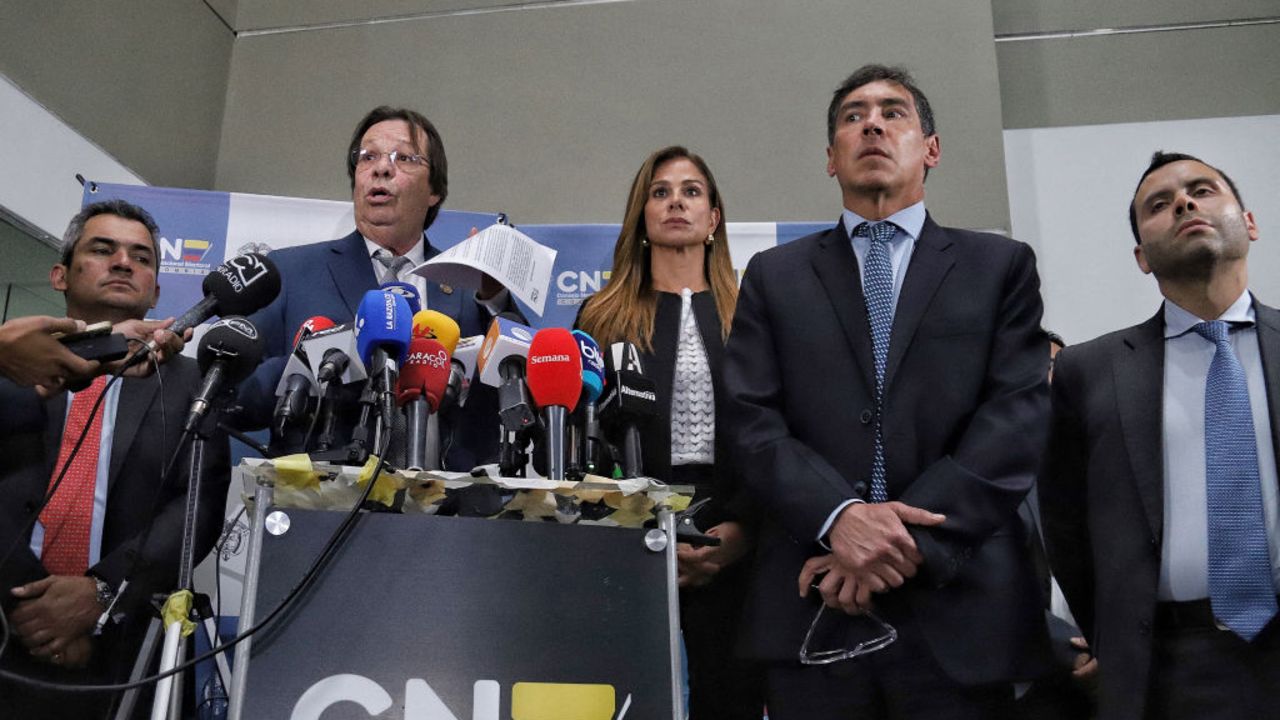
(503, 252)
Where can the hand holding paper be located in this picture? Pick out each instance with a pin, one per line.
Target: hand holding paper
(503, 253)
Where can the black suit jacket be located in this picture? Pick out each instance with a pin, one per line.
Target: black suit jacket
(148, 425)
(728, 501)
(965, 414)
(329, 279)
(1102, 493)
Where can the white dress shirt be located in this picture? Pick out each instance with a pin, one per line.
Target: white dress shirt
(1184, 561)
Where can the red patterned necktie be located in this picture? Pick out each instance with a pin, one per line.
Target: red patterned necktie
(68, 518)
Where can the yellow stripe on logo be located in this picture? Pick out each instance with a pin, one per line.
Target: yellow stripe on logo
(195, 244)
(561, 701)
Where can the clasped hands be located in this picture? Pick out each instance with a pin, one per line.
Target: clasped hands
(55, 618)
(871, 552)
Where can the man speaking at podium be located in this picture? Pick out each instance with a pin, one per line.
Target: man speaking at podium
(399, 180)
(59, 574)
(887, 400)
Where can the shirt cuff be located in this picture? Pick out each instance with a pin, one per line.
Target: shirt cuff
(831, 520)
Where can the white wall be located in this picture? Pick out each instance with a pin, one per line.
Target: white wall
(41, 155)
(1069, 192)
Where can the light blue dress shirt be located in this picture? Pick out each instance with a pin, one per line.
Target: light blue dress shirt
(108, 411)
(910, 221)
(1184, 561)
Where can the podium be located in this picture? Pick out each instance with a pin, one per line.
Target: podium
(421, 617)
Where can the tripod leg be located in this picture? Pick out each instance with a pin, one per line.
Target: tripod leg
(168, 661)
(145, 656)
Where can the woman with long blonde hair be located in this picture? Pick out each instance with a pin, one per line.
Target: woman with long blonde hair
(672, 293)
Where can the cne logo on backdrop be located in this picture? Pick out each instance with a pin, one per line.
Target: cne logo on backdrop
(529, 700)
(193, 236)
(186, 256)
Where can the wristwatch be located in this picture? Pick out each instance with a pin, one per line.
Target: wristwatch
(106, 593)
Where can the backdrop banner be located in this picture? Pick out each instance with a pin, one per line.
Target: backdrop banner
(200, 229)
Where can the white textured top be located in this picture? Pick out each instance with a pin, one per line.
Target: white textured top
(693, 400)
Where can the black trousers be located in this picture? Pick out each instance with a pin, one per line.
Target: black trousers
(901, 681)
(1202, 673)
(722, 686)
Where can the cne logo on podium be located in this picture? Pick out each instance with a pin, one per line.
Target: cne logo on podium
(529, 700)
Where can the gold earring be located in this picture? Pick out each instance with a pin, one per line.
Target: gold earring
(710, 238)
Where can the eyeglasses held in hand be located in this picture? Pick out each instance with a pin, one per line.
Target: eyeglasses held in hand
(877, 635)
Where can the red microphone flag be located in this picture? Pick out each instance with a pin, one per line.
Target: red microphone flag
(554, 368)
(425, 373)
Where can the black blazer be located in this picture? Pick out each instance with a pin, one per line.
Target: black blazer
(148, 425)
(1102, 492)
(728, 501)
(966, 410)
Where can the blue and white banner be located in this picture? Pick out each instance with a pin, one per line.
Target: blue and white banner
(200, 229)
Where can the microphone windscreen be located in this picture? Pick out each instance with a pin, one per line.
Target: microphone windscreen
(554, 371)
(406, 291)
(437, 326)
(243, 285)
(234, 340)
(383, 321)
(425, 372)
(311, 326)
(592, 365)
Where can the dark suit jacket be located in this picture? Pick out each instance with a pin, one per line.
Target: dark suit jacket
(329, 279)
(966, 409)
(148, 425)
(1102, 493)
(729, 502)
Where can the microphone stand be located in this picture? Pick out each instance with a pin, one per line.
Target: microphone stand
(512, 455)
(418, 416)
(168, 697)
(631, 456)
(555, 422)
(357, 451)
(328, 419)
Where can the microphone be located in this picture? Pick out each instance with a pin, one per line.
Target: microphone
(408, 291)
(383, 325)
(335, 349)
(630, 399)
(464, 363)
(441, 327)
(421, 389)
(309, 327)
(437, 326)
(296, 382)
(228, 352)
(332, 352)
(592, 387)
(555, 381)
(500, 363)
(240, 286)
(505, 338)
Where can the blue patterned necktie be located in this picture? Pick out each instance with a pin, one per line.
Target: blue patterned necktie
(877, 287)
(1240, 586)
